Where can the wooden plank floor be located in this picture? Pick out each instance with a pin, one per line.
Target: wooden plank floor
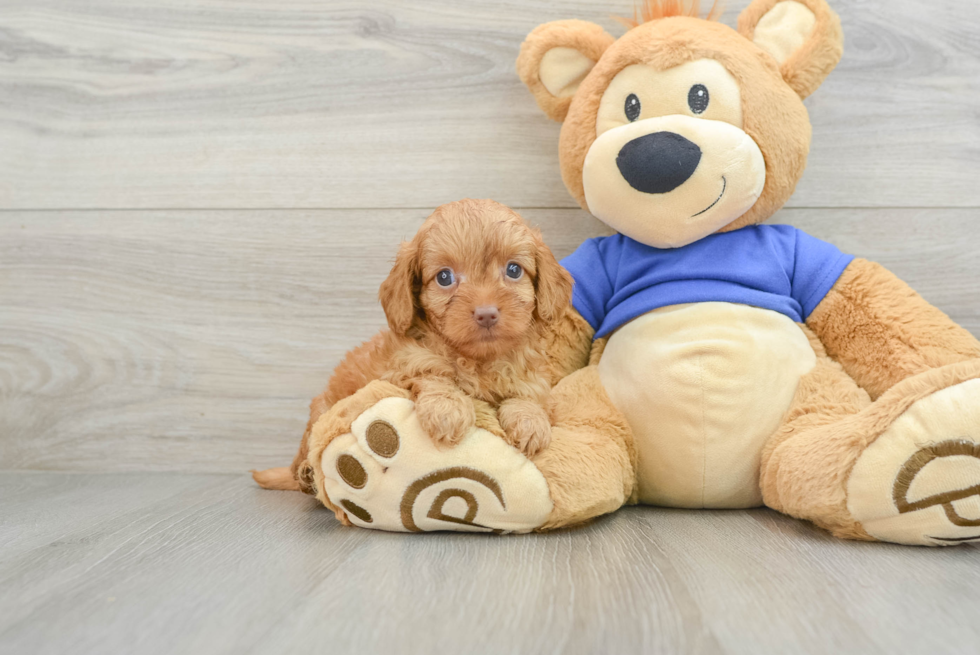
(198, 200)
(182, 563)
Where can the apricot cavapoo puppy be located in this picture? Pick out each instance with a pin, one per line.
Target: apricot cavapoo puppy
(468, 302)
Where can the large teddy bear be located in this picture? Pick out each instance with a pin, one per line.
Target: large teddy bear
(709, 361)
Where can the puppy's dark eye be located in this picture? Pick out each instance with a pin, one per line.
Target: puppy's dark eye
(514, 271)
(445, 277)
(697, 98)
(632, 107)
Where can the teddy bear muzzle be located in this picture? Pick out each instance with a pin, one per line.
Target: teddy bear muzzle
(668, 181)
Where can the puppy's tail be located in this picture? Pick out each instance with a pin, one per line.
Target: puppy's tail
(280, 478)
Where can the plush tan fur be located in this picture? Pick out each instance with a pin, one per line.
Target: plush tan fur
(879, 345)
(824, 397)
(774, 115)
(590, 463)
(807, 68)
(806, 467)
(882, 331)
(887, 344)
(588, 38)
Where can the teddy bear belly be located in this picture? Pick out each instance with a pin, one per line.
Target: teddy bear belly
(703, 387)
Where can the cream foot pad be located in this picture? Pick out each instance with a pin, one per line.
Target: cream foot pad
(388, 475)
(919, 482)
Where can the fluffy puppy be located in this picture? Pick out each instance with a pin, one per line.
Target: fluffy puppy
(468, 303)
(471, 302)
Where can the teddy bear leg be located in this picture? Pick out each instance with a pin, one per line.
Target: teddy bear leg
(375, 466)
(590, 464)
(905, 468)
(802, 460)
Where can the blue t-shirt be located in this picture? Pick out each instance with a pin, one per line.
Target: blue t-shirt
(774, 267)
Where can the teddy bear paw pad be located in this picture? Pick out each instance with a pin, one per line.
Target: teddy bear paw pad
(919, 482)
(387, 474)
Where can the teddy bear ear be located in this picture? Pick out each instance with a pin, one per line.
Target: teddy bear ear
(803, 36)
(556, 57)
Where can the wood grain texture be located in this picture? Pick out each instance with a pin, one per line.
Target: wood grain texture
(177, 563)
(382, 103)
(194, 340)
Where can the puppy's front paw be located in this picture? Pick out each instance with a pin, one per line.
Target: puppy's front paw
(526, 425)
(445, 417)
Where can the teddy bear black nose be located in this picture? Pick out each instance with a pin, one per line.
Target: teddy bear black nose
(658, 162)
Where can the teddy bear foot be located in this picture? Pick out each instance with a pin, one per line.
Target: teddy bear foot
(387, 474)
(919, 481)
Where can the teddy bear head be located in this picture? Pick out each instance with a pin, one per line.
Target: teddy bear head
(683, 127)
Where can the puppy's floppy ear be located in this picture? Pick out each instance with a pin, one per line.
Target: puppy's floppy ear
(556, 57)
(553, 284)
(398, 293)
(803, 36)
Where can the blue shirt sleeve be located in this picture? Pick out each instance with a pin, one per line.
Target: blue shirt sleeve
(593, 287)
(817, 266)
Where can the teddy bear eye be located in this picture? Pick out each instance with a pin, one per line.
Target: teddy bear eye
(697, 98)
(514, 271)
(632, 107)
(445, 277)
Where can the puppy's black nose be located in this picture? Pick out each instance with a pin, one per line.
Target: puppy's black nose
(486, 316)
(658, 162)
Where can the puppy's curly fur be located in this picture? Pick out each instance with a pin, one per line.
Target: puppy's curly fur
(468, 332)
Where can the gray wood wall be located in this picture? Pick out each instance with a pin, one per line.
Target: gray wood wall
(199, 200)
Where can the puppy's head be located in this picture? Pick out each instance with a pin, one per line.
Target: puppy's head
(478, 276)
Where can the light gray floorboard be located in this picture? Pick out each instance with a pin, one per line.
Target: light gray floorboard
(194, 340)
(176, 563)
(385, 103)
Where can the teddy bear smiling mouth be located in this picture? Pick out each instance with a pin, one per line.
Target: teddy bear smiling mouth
(724, 185)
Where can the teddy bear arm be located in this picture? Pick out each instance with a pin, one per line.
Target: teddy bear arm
(882, 332)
